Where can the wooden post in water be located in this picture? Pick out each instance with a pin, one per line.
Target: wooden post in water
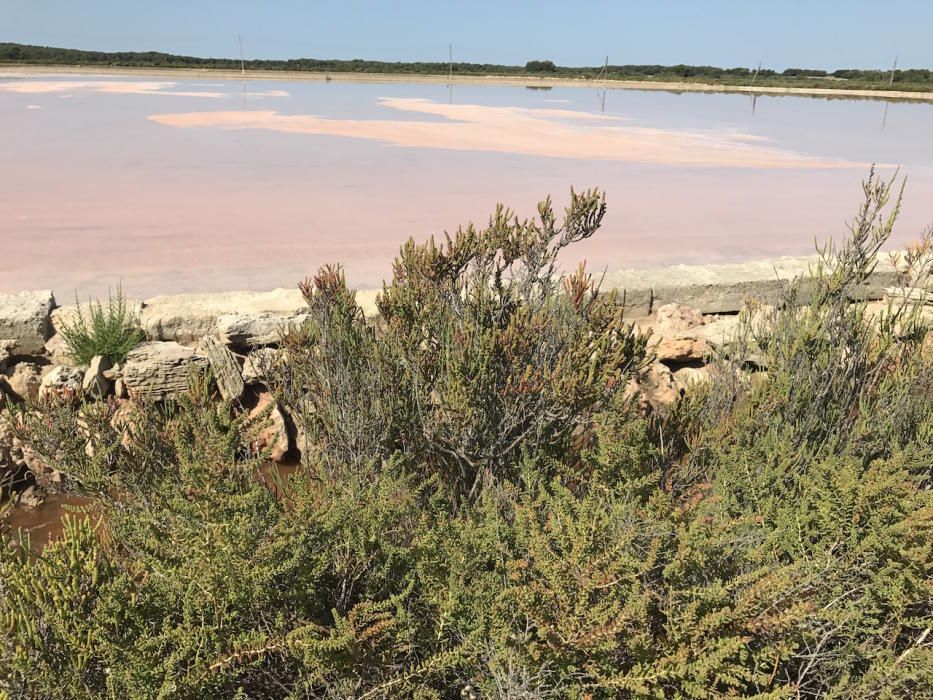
(893, 70)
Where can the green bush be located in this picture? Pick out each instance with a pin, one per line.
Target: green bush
(110, 332)
(482, 513)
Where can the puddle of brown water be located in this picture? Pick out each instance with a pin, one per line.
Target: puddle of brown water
(44, 523)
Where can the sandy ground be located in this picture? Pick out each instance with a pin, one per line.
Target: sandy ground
(461, 80)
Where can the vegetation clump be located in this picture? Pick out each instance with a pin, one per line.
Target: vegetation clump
(110, 332)
(913, 79)
(481, 511)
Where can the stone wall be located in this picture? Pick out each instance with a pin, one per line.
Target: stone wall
(691, 312)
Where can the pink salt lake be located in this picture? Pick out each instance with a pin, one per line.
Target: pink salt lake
(201, 185)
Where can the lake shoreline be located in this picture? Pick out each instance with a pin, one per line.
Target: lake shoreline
(526, 81)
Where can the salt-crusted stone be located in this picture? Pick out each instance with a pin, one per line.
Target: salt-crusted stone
(159, 370)
(224, 367)
(25, 318)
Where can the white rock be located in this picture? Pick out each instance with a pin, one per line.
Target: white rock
(25, 318)
(159, 370)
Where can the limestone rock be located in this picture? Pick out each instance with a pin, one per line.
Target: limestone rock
(57, 350)
(61, 381)
(186, 318)
(255, 330)
(23, 381)
(224, 367)
(159, 370)
(274, 434)
(724, 288)
(7, 348)
(720, 331)
(95, 382)
(258, 363)
(676, 335)
(66, 315)
(25, 318)
(689, 376)
(675, 319)
(119, 389)
(658, 387)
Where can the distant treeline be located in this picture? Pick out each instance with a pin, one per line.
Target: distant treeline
(913, 79)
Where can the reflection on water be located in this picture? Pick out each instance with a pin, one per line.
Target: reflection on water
(235, 185)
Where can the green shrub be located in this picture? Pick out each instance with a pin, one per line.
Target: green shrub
(110, 332)
(481, 513)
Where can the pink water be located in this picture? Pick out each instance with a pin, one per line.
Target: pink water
(183, 185)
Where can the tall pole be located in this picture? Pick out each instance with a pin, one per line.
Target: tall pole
(450, 68)
(239, 40)
(757, 71)
(893, 69)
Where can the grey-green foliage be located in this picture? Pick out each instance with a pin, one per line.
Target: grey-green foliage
(737, 548)
(110, 331)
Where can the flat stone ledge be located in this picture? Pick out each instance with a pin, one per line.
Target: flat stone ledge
(723, 288)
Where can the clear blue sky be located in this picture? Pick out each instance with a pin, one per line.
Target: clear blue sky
(816, 34)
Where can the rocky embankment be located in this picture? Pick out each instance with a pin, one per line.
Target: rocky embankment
(692, 312)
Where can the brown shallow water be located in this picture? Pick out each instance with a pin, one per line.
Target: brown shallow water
(205, 184)
(43, 524)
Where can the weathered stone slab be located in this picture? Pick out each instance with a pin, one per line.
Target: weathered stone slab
(225, 368)
(95, 382)
(720, 289)
(25, 319)
(255, 330)
(186, 318)
(159, 370)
